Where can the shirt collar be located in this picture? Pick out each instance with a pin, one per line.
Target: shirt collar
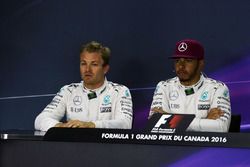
(98, 91)
(196, 86)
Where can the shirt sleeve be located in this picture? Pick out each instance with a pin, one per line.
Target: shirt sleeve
(123, 112)
(159, 99)
(53, 112)
(221, 99)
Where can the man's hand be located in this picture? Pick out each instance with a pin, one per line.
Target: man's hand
(76, 124)
(59, 125)
(215, 113)
(157, 110)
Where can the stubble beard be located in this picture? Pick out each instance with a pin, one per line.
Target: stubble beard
(187, 78)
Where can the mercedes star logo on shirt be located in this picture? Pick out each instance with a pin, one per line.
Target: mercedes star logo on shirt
(77, 100)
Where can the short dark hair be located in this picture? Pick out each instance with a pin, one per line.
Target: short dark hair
(94, 46)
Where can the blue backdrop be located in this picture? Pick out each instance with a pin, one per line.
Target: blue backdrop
(40, 40)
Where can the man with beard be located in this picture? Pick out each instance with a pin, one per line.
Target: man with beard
(191, 92)
(92, 103)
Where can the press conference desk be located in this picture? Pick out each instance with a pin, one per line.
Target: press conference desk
(96, 147)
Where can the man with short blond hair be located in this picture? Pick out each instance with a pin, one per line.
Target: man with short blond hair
(92, 103)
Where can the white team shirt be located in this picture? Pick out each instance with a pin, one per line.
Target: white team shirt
(208, 93)
(112, 108)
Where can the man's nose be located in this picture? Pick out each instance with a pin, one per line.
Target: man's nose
(88, 68)
(182, 63)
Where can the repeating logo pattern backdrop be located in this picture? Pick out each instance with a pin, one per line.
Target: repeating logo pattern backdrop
(40, 40)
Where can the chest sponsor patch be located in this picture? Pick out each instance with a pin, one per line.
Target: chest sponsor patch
(204, 96)
(106, 100)
(105, 109)
(75, 109)
(174, 106)
(203, 106)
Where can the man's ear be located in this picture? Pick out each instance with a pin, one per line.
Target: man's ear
(106, 69)
(201, 64)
